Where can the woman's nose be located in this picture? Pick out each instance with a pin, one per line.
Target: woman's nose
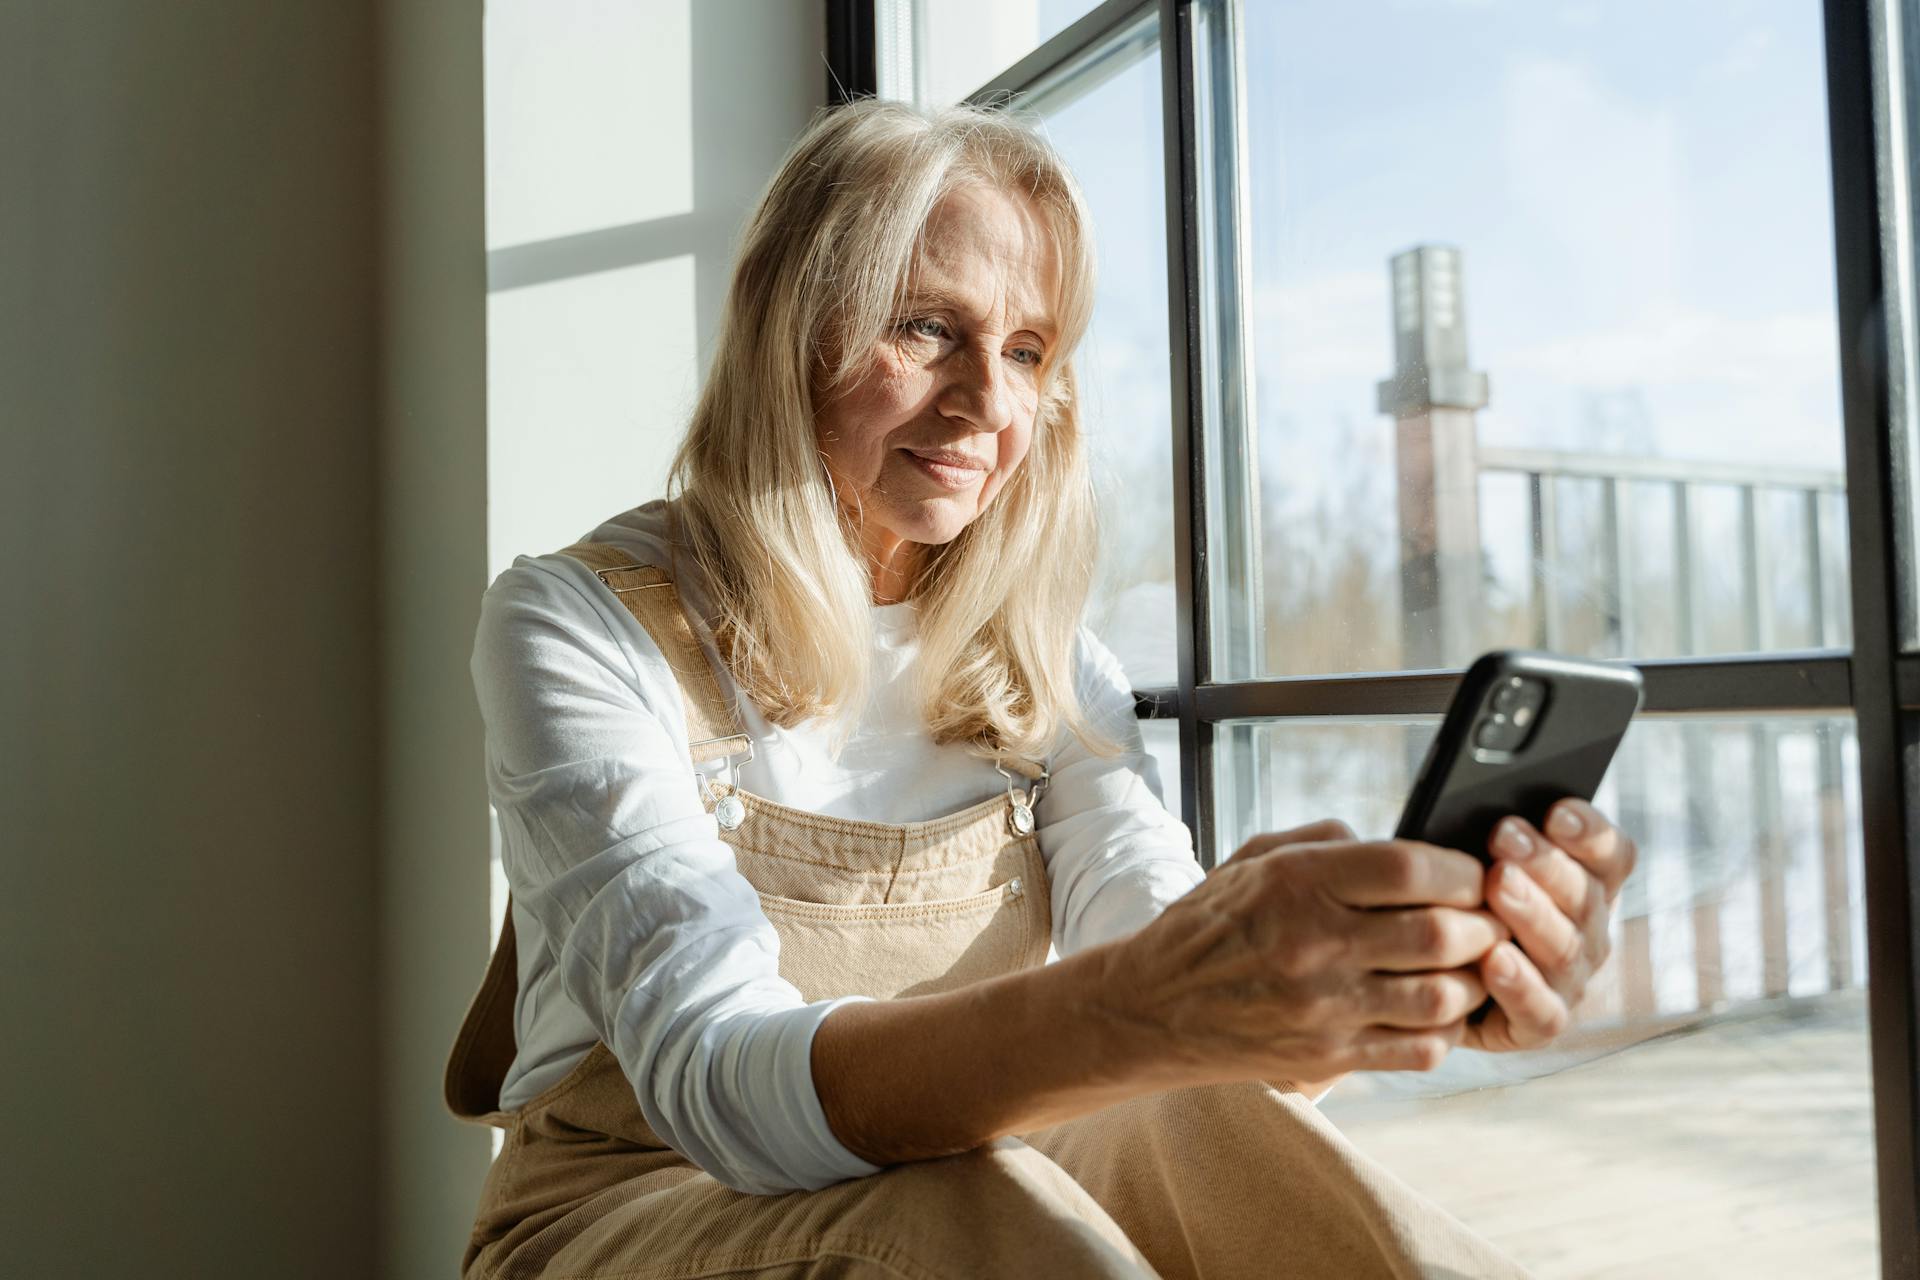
(978, 391)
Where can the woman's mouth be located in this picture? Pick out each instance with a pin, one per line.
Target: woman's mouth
(946, 475)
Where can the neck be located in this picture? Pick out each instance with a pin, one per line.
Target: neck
(889, 562)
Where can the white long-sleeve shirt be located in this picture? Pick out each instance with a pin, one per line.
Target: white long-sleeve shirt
(634, 925)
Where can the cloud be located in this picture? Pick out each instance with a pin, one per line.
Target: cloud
(1745, 55)
(1673, 343)
(1328, 326)
(1752, 388)
(1588, 167)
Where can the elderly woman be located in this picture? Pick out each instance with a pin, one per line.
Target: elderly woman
(800, 772)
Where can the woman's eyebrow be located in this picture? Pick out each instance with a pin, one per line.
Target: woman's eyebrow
(924, 296)
(934, 296)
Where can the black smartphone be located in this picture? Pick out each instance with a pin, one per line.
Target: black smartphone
(1525, 730)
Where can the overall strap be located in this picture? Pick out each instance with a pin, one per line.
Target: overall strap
(485, 1047)
(647, 591)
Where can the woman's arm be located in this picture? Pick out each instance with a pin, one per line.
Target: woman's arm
(1294, 960)
(647, 925)
(1116, 857)
(927, 1076)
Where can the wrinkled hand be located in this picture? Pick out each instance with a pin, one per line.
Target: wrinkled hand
(1309, 954)
(1555, 891)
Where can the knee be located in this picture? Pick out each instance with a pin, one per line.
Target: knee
(1005, 1177)
(997, 1209)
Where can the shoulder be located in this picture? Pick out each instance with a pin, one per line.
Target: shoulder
(1102, 689)
(552, 613)
(557, 593)
(1097, 672)
(644, 532)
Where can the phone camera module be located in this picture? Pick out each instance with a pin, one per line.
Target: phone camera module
(1497, 733)
(1512, 712)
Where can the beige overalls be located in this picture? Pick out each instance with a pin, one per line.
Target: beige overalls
(1219, 1181)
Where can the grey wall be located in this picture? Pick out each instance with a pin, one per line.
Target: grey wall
(242, 372)
(189, 398)
(243, 496)
(432, 568)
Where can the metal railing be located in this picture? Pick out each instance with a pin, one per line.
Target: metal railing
(1546, 475)
(1698, 900)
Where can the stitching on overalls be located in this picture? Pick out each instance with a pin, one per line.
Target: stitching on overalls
(852, 913)
(880, 1252)
(930, 829)
(986, 840)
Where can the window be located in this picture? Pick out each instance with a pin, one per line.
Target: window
(1550, 325)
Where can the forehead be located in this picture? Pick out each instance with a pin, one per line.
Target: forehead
(988, 251)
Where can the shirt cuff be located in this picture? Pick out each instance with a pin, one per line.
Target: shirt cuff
(818, 1157)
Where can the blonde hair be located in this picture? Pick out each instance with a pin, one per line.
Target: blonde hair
(822, 275)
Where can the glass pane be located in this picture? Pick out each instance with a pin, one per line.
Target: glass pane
(1710, 1110)
(936, 52)
(1125, 388)
(1539, 333)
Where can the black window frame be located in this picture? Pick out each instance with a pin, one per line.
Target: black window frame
(1877, 680)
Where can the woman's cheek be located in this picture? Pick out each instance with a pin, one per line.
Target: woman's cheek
(998, 478)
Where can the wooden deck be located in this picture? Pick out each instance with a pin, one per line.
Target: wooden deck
(1740, 1146)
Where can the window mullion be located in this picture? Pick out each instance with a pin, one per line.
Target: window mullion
(1864, 83)
(1192, 605)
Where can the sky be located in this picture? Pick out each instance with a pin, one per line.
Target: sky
(1640, 192)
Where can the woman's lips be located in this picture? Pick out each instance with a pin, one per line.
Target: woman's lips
(947, 477)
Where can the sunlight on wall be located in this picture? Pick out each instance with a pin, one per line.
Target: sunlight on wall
(589, 382)
(588, 116)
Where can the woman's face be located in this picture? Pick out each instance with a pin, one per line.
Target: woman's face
(940, 411)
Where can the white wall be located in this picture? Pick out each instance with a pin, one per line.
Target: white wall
(626, 145)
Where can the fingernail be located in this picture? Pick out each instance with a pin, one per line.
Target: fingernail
(1513, 890)
(1500, 965)
(1565, 823)
(1514, 842)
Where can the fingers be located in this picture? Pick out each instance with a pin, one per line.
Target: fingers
(1400, 873)
(1423, 1000)
(1517, 843)
(1586, 834)
(1527, 1011)
(1397, 1049)
(1555, 941)
(1557, 908)
(1418, 939)
(1325, 831)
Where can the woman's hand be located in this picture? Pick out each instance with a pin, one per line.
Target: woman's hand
(1555, 892)
(1309, 954)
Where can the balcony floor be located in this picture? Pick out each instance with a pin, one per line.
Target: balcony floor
(1740, 1147)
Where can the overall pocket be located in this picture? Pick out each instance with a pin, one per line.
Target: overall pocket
(892, 949)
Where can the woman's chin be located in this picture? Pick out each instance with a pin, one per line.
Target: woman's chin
(933, 522)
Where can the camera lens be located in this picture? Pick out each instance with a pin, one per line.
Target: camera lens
(1509, 695)
(1494, 734)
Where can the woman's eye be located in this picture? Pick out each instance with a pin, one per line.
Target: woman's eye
(926, 327)
(1032, 358)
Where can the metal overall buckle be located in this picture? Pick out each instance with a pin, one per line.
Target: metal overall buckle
(729, 810)
(1020, 819)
